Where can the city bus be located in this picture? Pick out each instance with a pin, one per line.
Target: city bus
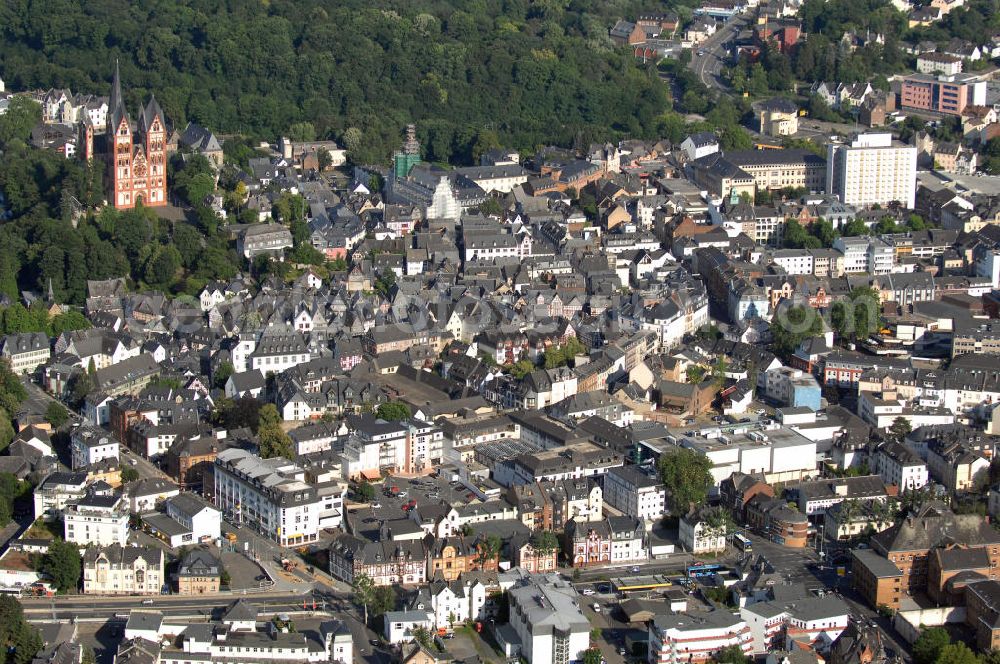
(703, 569)
(742, 543)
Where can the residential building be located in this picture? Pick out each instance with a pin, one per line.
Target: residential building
(700, 145)
(123, 570)
(199, 573)
(450, 557)
(779, 117)
(100, 518)
(700, 533)
(790, 387)
(188, 459)
(527, 556)
(187, 519)
(269, 495)
(56, 491)
(573, 461)
(896, 464)
(807, 621)
(26, 351)
(386, 563)
(975, 336)
(635, 493)
(90, 445)
(402, 626)
(816, 496)
(280, 348)
(145, 495)
(129, 376)
(938, 63)
(264, 239)
(957, 466)
(872, 169)
(616, 539)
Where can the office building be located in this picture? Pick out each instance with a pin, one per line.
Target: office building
(268, 495)
(942, 93)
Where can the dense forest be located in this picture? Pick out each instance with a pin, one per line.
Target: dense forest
(469, 72)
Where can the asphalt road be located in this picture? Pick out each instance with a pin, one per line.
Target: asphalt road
(708, 67)
(83, 607)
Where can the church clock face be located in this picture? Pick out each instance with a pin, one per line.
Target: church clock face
(140, 170)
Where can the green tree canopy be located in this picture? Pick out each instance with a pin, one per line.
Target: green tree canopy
(731, 655)
(55, 414)
(929, 645)
(274, 442)
(858, 316)
(687, 477)
(23, 113)
(62, 563)
(364, 592)
(21, 639)
(792, 325)
(545, 542)
(392, 411)
(956, 653)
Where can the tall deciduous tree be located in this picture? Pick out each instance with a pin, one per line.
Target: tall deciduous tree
(364, 592)
(929, 645)
(62, 563)
(687, 477)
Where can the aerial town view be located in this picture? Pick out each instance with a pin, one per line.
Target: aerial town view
(500, 331)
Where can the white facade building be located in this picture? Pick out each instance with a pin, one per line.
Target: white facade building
(687, 639)
(97, 518)
(89, 445)
(56, 491)
(699, 537)
(546, 617)
(203, 520)
(855, 250)
(25, 352)
(269, 496)
(816, 620)
(635, 493)
(123, 570)
(897, 464)
(794, 261)
(872, 169)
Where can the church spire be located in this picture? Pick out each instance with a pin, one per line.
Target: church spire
(116, 105)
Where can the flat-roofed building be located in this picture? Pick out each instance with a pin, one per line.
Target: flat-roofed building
(872, 169)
